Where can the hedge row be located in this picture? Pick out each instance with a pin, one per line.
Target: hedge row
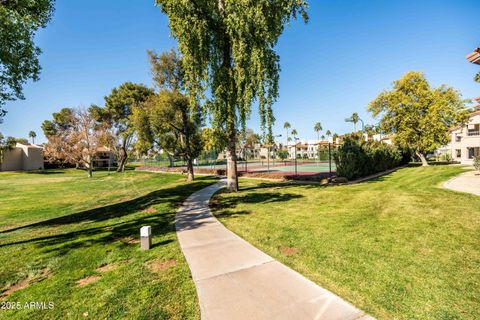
(356, 158)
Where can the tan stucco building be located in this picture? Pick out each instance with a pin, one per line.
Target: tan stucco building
(465, 141)
(23, 157)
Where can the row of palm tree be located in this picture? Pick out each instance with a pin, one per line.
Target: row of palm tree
(354, 118)
(317, 128)
(294, 132)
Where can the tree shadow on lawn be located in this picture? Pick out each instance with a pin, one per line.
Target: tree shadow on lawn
(124, 233)
(221, 206)
(282, 185)
(161, 222)
(46, 171)
(172, 195)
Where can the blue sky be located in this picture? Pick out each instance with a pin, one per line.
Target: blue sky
(332, 66)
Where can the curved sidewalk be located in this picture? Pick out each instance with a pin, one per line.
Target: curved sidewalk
(466, 182)
(235, 280)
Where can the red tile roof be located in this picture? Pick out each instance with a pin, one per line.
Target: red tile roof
(474, 57)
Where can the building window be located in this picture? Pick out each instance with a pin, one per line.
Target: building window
(458, 153)
(458, 138)
(473, 152)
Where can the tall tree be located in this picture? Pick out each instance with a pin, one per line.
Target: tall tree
(212, 139)
(328, 133)
(318, 128)
(167, 119)
(61, 121)
(287, 126)
(32, 135)
(76, 138)
(6, 144)
(19, 22)
(117, 112)
(228, 47)
(164, 120)
(417, 115)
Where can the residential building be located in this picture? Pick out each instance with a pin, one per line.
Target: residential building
(474, 57)
(23, 157)
(308, 148)
(104, 158)
(465, 140)
(382, 138)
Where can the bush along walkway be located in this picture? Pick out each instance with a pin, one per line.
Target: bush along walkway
(235, 280)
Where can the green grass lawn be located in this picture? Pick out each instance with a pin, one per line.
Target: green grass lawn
(398, 247)
(73, 241)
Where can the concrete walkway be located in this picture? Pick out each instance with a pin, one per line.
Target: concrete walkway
(235, 280)
(466, 182)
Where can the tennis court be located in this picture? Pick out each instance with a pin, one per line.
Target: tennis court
(288, 167)
(304, 167)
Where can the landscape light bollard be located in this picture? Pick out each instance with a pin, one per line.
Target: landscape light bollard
(145, 237)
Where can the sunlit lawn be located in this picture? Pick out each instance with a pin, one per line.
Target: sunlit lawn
(73, 241)
(399, 247)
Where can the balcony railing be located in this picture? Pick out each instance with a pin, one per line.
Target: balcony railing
(473, 133)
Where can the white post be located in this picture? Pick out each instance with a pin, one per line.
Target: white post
(145, 238)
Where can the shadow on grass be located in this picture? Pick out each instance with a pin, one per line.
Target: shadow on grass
(125, 231)
(283, 185)
(221, 206)
(46, 171)
(432, 163)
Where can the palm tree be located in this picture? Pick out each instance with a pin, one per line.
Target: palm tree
(287, 126)
(294, 133)
(323, 137)
(32, 135)
(355, 119)
(328, 133)
(317, 128)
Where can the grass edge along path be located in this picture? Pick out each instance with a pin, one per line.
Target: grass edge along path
(398, 247)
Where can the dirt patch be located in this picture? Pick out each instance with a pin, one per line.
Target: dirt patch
(43, 274)
(126, 240)
(107, 268)
(150, 210)
(131, 240)
(157, 265)
(288, 251)
(87, 280)
(17, 286)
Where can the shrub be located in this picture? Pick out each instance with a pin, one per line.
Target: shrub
(447, 157)
(476, 162)
(282, 154)
(357, 158)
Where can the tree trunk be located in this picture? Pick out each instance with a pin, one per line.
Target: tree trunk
(422, 157)
(90, 168)
(122, 157)
(190, 174)
(232, 177)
